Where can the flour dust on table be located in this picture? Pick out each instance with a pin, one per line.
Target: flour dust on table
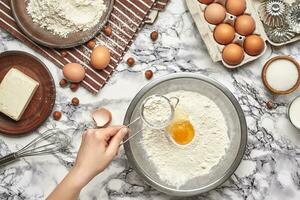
(176, 162)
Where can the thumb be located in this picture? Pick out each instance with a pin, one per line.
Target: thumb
(115, 141)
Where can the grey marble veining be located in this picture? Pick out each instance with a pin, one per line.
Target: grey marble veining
(270, 168)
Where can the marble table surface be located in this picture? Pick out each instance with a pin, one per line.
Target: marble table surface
(271, 165)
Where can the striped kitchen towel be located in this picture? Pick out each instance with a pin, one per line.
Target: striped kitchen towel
(126, 19)
(160, 4)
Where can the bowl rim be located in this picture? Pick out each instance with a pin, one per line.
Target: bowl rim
(231, 169)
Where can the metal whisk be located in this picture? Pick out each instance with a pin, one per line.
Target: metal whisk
(51, 141)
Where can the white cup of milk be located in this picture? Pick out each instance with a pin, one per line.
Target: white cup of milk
(294, 112)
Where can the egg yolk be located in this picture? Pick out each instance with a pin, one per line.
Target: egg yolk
(182, 132)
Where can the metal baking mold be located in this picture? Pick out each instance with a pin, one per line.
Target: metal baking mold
(293, 17)
(280, 34)
(273, 12)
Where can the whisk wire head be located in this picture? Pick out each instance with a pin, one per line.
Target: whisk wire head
(51, 141)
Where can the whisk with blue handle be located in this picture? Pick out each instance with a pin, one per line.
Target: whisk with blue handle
(49, 142)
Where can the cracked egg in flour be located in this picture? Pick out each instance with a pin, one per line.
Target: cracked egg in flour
(181, 130)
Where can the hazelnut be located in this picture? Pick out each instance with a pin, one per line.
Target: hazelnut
(63, 53)
(56, 115)
(91, 44)
(107, 30)
(75, 101)
(154, 35)
(148, 74)
(270, 105)
(74, 87)
(130, 62)
(63, 83)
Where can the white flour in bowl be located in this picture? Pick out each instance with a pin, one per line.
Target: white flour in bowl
(176, 165)
(67, 16)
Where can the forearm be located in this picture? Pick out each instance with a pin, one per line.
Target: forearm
(97, 150)
(69, 188)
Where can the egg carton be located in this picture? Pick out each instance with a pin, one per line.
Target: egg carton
(206, 30)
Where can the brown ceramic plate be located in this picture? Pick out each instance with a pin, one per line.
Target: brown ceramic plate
(47, 38)
(43, 100)
(264, 72)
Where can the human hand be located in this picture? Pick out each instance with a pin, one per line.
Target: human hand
(98, 148)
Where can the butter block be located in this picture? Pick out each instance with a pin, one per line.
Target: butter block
(16, 92)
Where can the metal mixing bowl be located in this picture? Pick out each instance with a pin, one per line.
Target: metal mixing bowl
(236, 123)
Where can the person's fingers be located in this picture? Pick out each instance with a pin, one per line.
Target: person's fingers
(90, 130)
(112, 130)
(83, 136)
(109, 132)
(115, 141)
(83, 139)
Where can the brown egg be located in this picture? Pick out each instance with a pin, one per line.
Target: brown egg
(244, 25)
(233, 54)
(236, 7)
(215, 13)
(206, 1)
(100, 57)
(74, 72)
(254, 45)
(224, 34)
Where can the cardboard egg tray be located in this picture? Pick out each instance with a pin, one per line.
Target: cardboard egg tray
(206, 30)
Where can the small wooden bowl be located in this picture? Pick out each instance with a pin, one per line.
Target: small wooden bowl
(264, 72)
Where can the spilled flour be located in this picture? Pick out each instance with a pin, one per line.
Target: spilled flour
(67, 16)
(176, 165)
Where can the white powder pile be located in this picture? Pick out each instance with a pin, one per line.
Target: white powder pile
(65, 17)
(157, 111)
(176, 165)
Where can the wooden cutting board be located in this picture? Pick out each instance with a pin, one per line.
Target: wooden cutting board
(43, 100)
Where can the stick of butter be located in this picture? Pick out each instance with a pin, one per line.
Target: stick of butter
(16, 91)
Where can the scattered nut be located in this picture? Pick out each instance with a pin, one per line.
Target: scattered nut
(154, 35)
(149, 74)
(91, 44)
(74, 87)
(56, 115)
(270, 105)
(75, 101)
(63, 83)
(107, 30)
(130, 62)
(63, 53)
